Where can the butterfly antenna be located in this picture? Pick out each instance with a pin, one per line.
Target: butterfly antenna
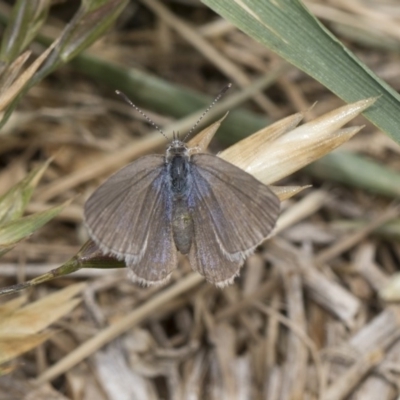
(126, 98)
(221, 93)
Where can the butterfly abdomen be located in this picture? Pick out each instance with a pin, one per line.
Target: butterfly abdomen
(182, 226)
(182, 223)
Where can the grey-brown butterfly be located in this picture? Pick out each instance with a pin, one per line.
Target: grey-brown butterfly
(197, 204)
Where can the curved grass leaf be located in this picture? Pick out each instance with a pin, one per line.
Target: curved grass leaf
(16, 230)
(26, 19)
(357, 171)
(93, 18)
(20, 327)
(288, 28)
(89, 256)
(15, 200)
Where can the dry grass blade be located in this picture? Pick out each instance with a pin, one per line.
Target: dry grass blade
(12, 305)
(302, 209)
(12, 346)
(302, 335)
(16, 388)
(14, 88)
(346, 384)
(10, 72)
(113, 331)
(36, 316)
(215, 56)
(271, 160)
(15, 200)
(20, 328)
(350, 240)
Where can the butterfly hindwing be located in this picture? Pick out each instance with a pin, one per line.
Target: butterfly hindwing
(205, 255)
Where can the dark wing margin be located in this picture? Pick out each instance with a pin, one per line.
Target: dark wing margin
(129, 216)
(232, 213)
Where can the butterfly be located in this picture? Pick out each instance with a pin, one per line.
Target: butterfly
(196, 204)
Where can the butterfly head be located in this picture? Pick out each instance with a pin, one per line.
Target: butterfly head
(177, 148)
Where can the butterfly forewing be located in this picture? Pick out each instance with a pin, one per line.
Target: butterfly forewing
(160, 255)
(118, 215)
(232, 212)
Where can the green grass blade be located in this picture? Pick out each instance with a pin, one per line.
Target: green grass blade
(286, 27)
(357, 171)
(89, 23)
(14, 231)
(89, 256)
(26, 19)
(389, 230)
(150, 91)
(15, 200)
(92, 19)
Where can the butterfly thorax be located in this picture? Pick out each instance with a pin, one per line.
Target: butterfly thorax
(178, 167)
(179, 174)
